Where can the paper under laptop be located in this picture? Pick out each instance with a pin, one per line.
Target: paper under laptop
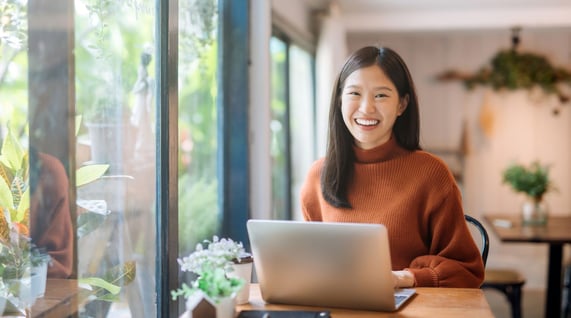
(345, 265)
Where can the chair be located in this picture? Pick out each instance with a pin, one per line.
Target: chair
(567, 292)
(507, 281)
(484, 238)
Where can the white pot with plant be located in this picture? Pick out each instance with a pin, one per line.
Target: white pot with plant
(534, 182)
(217, 281)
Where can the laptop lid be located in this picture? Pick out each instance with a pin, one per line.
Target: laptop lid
(344, 265)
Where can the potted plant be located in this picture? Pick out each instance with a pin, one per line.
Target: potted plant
(216, 282)
(534, 182)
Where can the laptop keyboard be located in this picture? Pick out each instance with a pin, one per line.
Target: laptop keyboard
(402, 295)
(399, 299)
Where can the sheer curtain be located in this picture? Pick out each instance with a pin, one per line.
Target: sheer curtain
(331, 53)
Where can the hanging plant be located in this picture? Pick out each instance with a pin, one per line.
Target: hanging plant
(512, 70)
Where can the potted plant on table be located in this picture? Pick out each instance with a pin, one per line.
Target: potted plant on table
(534, 182)
(216, 285)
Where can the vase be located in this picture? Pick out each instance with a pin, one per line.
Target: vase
(534, 212)
(243, 270)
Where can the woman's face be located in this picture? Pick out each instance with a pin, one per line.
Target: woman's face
(370, 105)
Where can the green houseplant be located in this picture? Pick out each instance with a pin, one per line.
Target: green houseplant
(213, 263)
(534, 182)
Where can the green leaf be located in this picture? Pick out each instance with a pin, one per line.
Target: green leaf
(90, 173)
(122, 274)
(23, 206)
(6, 199)
(77, 124)
(101, 283)
(12, 153)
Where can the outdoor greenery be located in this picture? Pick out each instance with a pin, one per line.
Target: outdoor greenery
(199, 213)
(109, 41)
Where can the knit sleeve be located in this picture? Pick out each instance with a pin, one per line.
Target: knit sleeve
(50, 222)
(454, 259)
(311, 193)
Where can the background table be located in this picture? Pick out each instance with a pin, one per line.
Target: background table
(556, 233)
(428, 302)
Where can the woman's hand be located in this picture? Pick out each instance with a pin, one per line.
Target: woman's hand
(403, 279)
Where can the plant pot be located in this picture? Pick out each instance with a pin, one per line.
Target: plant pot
(243, 270)
(534, 212)
(39, 275)
(200, 305)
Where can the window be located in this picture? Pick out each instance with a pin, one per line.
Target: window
(291, 126)
(91, 93)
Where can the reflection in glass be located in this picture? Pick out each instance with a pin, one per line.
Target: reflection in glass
(114, 65)
(198, 66)
(278, 127)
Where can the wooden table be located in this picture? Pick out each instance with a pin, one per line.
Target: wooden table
(60, 300)
(556, 233)
(428, 302)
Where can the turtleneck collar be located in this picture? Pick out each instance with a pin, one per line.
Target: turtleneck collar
(384, 152)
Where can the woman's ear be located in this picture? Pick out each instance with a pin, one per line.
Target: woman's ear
(403, 103)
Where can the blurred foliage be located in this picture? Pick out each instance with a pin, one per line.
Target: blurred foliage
(513, 70)
(13, 67)
(109, 40)
(198, 186)
(533, 181)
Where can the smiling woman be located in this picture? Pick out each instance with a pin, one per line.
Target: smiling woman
(375, 172)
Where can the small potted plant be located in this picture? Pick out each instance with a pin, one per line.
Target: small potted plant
(534, 182)
(213, 263)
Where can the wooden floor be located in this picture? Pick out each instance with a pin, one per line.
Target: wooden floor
(533, 303)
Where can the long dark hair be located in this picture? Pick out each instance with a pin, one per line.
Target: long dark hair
(339, 158)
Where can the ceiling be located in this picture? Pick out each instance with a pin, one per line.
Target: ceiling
(379, 15)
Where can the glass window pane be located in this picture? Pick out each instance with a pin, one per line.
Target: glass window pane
(278, 129)
(15, 281)
(114, 67)
(198, 185)
(302, 119)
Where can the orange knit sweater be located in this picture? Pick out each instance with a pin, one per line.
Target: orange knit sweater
(415, 196)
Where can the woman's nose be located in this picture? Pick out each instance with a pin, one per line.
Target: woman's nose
(367, 105)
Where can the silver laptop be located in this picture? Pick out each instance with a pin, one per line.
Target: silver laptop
(345, 265)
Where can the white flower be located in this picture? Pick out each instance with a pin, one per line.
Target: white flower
(219, 253)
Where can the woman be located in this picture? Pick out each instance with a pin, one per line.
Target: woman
(374, 171)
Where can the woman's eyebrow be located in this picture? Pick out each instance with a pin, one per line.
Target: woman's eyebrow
(382, 88)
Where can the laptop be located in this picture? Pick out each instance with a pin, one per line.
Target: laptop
(343, 265)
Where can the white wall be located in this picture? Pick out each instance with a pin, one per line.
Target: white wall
(524, 128)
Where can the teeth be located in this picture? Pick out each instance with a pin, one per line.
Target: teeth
(366, 122)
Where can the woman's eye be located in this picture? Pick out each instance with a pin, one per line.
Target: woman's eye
(381, 95)
(353, 93)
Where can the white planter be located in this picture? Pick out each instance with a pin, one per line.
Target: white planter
(201, 306)
(243, 270)
(39, 275)
(226, 307)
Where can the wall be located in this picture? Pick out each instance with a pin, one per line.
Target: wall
(523, 127)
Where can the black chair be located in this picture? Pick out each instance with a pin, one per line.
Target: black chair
(567, 292)
(507, 281)
(484, 238)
